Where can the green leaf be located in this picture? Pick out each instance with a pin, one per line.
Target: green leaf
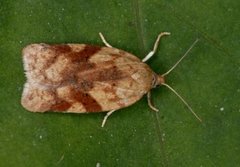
(135, 136)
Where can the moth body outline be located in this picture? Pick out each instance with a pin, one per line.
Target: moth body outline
(83, 78)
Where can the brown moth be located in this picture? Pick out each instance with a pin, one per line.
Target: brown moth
(80, 78)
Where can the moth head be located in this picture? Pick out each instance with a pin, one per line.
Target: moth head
(157, 80)
(160, 80)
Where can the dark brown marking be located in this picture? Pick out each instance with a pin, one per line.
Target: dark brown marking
(85, 54)
(81, 58)
(61, 48)
(109, 74)
(61, 105)
(89, 103)
(85, 66)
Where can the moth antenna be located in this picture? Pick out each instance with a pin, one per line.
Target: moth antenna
(169, 87)
(186, 53)
(104, 40)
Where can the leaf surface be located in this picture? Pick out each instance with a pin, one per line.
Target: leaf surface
(135, 136)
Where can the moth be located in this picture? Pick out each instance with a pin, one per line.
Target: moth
(81, 78)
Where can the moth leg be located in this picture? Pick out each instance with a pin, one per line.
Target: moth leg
(150, 54)
(104, 40)
(106, 117)
(150, 102)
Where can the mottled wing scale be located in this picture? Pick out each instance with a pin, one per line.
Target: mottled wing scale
(82, 78)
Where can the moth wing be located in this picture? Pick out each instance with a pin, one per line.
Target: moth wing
(47, 64)
(82, 78)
